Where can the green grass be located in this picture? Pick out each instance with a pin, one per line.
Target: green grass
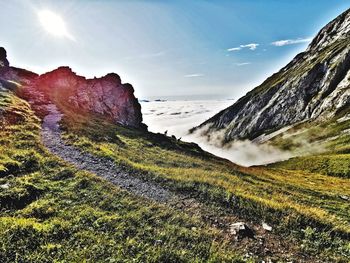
(328, 164)
(50, 212)
(296, 203)
(325, 147)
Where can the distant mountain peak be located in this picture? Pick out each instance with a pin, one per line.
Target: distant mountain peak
(313, 86)
(338, 28)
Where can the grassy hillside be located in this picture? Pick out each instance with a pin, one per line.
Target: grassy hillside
(50, 212)
(331, 139)
(326, 164)
(307, 207)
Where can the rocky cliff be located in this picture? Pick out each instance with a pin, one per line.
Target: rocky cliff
(4, 64)
(13, 74)
(106, 97)
(315, 86)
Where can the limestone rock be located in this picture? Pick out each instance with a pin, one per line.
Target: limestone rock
(106, 96)
(4, 64)
(13, 74)
(266, 227)
(241, 230)
(315, 85)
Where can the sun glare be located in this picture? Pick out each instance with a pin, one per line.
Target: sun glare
(54, 24)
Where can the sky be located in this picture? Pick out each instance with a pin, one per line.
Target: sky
(179, 48)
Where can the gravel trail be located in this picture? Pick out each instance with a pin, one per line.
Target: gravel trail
(263, 244)
(51, 137)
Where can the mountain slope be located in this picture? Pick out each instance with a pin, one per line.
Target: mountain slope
(315, 86)
(51, 211)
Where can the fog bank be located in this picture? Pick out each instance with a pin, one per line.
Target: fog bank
(177, 117)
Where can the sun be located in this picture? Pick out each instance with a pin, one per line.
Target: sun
(54, 24)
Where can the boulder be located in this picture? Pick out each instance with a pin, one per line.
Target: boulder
(240, 230)
(266, 227)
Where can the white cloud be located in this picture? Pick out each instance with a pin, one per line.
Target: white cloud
(243, 64)
(242, 152)
(196, 75)
(234, 49)
(146, 56)
(285, 42)
(177, 117)
(251, 46)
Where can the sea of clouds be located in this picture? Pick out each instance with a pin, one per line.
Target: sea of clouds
(177, 117)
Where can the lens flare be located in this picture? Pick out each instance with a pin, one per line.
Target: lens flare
(54, 24)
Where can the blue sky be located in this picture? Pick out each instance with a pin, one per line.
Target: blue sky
(167, 48)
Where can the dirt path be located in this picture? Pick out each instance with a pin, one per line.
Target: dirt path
(51, 137)
(264, 244)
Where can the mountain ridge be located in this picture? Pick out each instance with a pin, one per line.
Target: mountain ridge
(313, 86)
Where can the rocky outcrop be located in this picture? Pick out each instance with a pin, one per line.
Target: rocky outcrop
(4, 64)
(106, 97)
(315, 85)
(13, 74)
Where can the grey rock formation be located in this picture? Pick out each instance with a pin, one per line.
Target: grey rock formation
(107, 96)
(3, 59)
(315, 86)
(11, 77)
(241, 230)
